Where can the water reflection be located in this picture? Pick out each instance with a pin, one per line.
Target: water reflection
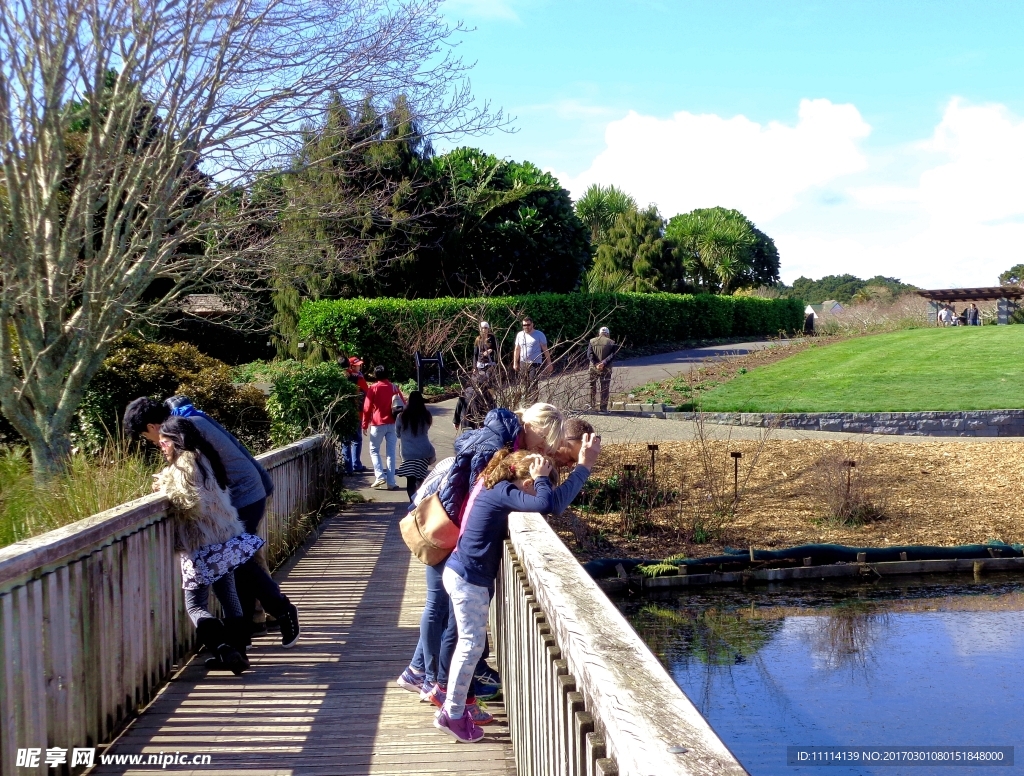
(846, 636)
(886, 663)
(715, 637)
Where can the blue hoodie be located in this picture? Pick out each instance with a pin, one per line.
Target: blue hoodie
(473, 451)
(233, 453)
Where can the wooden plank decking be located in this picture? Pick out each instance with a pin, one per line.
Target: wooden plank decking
(329, 706)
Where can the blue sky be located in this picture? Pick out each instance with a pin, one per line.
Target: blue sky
(865, 137)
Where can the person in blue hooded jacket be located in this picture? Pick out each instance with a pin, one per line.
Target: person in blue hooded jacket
(538, 429)
(249, 485)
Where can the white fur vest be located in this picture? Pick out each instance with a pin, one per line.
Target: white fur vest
(202, 511)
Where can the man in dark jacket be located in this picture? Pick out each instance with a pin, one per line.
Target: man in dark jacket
(600, 353)
(249, 485)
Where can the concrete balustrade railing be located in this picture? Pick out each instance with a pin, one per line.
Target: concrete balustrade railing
(584, 694)
(92, 616)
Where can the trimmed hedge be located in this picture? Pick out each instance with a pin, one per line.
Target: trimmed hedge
(366, 326)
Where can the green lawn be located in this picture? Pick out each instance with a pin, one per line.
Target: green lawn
(959, 368)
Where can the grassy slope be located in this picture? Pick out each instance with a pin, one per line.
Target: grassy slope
(921, 369)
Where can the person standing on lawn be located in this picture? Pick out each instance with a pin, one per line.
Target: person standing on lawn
(383, 402)
(600, 353)
(485, 349)
(531, 359)
(973, 315)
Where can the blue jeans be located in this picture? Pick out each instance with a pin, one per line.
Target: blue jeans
(427, 658)
(384, 467)
(352, 452)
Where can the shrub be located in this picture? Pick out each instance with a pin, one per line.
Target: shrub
(135, 368)
(843, 482)
(375, 328)
(308, 399)
(92, 484)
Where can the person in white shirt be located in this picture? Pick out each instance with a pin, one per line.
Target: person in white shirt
(531, 358)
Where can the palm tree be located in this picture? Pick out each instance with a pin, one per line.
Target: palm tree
(714, 245)
(598, 208)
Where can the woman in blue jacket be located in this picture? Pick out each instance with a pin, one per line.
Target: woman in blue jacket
(512, 482)
(538, 429)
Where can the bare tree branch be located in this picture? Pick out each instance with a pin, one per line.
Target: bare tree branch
(128, 129)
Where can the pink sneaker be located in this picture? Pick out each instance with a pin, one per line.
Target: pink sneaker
(464, 729)
(437, 695)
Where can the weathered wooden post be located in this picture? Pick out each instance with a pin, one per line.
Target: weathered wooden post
(735, 476)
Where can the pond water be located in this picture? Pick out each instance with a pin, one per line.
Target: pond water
(923, 661)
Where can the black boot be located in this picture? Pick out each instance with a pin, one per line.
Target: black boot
(289, 619)
(239, 632)
(210, 632)
(217, 638)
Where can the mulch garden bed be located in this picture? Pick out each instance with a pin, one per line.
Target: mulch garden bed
(944, 493)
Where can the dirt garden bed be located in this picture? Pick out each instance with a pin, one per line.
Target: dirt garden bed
(935, 493)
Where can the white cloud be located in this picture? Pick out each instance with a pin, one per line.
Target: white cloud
(947, 210)
(692, 160)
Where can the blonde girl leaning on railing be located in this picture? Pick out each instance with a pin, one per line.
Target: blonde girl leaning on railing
(210, 537)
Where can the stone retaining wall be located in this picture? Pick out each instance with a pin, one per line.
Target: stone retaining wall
(974, 423)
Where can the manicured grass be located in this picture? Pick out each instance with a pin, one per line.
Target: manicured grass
(959, 368)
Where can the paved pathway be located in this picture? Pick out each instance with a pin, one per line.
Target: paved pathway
(631, 372)
(329, 706)
(617, 428)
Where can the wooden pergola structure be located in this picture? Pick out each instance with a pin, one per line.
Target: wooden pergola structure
(1006, 297)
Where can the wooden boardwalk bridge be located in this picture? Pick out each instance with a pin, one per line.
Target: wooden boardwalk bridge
(330, 705)
(93, 631)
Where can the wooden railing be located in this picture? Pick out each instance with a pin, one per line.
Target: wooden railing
(584, 695)
(92, 616)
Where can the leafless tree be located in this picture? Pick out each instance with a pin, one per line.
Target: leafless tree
(127, 130)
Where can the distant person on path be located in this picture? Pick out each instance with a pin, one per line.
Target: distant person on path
(485, 349)
(531, 359)
(600, 353)
(945, 315)
(973, 315)
(210, 537)
(352, 447)
(512, 482)
(476, 401)
(418, 455)
(383, 402)
(249, 486)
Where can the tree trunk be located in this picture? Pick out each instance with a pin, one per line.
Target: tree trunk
(50, 456)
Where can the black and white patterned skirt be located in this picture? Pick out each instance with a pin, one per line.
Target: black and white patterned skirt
(417, 468)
